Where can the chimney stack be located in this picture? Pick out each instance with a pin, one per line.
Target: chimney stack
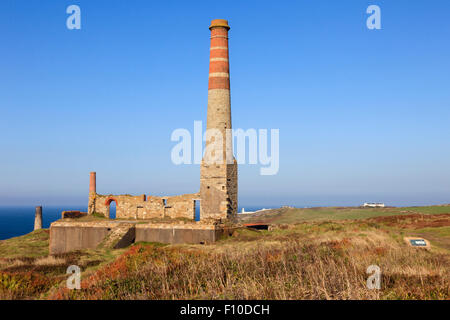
(92, 192)
(219, 67)
(93, 183)
(38, 218)
(218, 181)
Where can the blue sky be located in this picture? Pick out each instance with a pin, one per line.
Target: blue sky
(363, 114)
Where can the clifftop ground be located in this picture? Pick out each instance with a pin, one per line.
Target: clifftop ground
(295, 215)
(317, 253)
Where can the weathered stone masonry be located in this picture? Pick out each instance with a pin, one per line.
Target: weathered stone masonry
(141, 207)
(145, 207)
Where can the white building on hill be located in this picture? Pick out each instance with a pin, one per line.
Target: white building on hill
(374, 205)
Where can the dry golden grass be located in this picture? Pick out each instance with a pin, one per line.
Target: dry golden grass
(308, 261)
(12, 263)
(49, 261)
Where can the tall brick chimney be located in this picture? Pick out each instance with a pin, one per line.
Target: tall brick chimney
(218, 182)
(93, 183)
(92, 192)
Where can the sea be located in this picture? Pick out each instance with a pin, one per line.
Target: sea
(18, 221)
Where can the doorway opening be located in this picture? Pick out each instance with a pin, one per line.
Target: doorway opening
(197, 210)
(112, 208)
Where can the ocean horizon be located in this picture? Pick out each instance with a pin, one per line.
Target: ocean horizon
(17, 221)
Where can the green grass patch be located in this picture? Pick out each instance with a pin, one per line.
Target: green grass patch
(31, 245)
(296, 215)
(428, 210)
(438, 231)
(98, 215)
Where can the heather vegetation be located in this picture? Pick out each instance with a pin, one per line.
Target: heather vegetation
(303, 259)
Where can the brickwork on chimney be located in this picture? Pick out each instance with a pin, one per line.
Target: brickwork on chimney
(218, 181)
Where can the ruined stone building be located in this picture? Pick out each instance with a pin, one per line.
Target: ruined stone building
(168, 219)
(218, 181)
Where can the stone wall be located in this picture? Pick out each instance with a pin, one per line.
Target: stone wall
(68, 236)
(73, 214)
(218, 190)
(181, 233)
(144, 207)
(65, 238)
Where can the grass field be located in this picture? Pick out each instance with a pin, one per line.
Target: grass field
(295, 215)
(34, 244)
(317, 253)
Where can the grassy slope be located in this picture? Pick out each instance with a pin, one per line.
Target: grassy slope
(306, 256)
(26, 270)
(439, 236)
(32, 245)
(312, 260)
